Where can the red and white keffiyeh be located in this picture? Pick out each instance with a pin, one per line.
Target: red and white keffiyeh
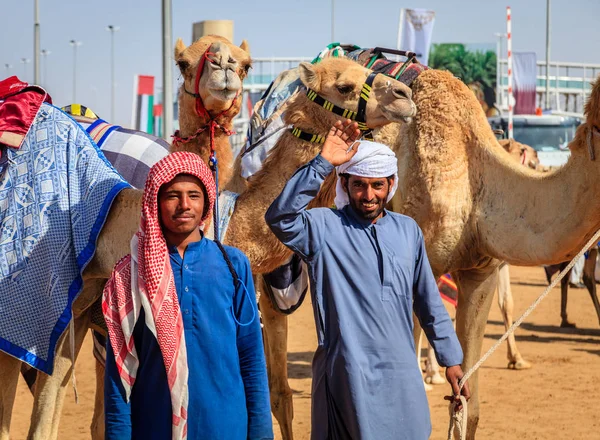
(152, 288)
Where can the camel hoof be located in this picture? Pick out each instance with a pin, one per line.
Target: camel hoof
(566, 324)
(435, 379)
(520, 364)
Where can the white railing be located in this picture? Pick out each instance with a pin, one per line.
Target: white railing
(570, 85)
(265, 70)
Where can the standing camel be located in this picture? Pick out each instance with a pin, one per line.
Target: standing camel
(223, 66)
(477, 208)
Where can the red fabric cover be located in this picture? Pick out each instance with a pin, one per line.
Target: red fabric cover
(19, 103)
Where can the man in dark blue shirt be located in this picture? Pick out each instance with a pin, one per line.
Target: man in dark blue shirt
(185, 356)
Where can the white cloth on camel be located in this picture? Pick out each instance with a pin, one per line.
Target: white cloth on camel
(372, 160)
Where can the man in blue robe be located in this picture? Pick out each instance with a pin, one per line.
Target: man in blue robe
(369, 271)
(184, 355)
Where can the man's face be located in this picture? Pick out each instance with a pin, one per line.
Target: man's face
(181, 205)
(368, 195)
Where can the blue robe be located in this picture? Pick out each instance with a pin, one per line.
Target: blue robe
(366, 280)
(228, 389)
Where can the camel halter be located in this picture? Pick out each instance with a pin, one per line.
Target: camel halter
(202, 111)
(360, 116)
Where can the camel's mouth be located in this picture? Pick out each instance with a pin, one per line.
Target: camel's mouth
(224, 94)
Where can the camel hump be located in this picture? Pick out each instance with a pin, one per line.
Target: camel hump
(592, 107)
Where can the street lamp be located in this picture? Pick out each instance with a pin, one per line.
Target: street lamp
(25, 61)
(44, 53)
(112, 29)
(75, 44)
(7, 67)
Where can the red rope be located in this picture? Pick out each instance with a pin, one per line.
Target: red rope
(202, 112)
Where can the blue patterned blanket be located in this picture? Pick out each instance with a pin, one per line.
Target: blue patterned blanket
(55, 194)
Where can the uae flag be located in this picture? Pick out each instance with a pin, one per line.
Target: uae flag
(143, 104)
(158, 113)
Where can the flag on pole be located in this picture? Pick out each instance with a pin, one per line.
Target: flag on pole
(158, 113)
(143, 104)
(525, 81)
(414, 32)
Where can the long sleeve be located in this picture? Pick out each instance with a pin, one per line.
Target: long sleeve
(299, 229)
(117, 411)
(431, 312)
(252, 358)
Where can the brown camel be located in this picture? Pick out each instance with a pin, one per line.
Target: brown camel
(476, 207)
(220, 87)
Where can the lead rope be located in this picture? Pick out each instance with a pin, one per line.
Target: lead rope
(458, 418)
(72, 347)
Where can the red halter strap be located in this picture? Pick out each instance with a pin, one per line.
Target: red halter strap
(201, 111)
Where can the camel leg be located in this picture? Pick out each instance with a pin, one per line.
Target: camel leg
(564, 292)
(475, 295)
(432, 368)
(9, 376)
(505, 301)
(589, 279)
(275, 338)
(50, 391)
(97, 427)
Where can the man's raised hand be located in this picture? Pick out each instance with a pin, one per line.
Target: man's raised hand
(338, 147)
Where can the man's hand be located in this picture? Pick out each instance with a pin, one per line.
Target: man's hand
(454, 374)
(336, 149)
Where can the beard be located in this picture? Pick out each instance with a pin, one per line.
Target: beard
(372, 210)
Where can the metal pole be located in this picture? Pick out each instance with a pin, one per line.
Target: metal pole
(510, 72)
(44, 66)
(112, 29)
(333, 21)
(75, 43)
(25, 61)
(167, 47)
(36, 43)
(548, 55)
(7, 67)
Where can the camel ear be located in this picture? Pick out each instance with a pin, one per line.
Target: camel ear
(309, 75)
(245, 46)
(179, 48)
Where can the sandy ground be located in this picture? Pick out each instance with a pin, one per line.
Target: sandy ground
(557, 399)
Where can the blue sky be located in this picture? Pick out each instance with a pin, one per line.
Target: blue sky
(272, 27)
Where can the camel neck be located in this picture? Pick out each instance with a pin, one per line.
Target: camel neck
(527, 218)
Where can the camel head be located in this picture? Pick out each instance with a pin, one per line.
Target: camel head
(524, 154)
(340, 81)
(223, 68)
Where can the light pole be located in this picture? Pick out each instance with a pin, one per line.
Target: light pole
(75, 44)
(7, 67)
(167, 47)
(112, 29)
(36, 42)
(548, 55)
(332, 21)
(25, 61)
(44, 53)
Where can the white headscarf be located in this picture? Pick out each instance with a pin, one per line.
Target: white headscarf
(372, 160)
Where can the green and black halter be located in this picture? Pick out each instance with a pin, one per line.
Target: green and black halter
(359, 116)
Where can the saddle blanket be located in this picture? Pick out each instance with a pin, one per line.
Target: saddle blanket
(55, 194)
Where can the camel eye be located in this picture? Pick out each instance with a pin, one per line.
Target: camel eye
(344, 89)
(183, 65)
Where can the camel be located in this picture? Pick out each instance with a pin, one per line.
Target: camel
(477, 208)
(219, 87)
